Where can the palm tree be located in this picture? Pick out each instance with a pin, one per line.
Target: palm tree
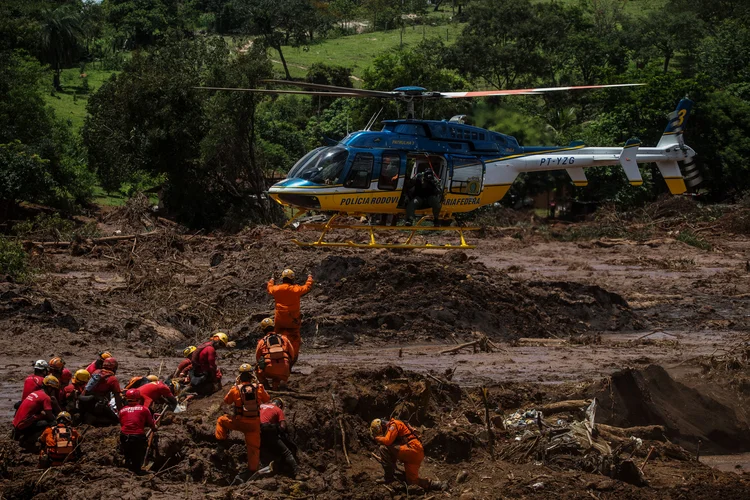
(61, 30)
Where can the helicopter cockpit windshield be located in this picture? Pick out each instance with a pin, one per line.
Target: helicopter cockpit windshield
(324, 167)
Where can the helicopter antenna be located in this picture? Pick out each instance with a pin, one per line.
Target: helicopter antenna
(373, 119)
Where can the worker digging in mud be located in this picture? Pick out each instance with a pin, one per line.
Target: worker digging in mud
(134, 419)
(273, 436)
(34, 382)
(59, 443)
(399, 442)
(157, 392)
(245, 398)
(102, 386)
(273, 354)
(137, 382)
(71, 394)
(205, 376)
(182, 373)
(97, 363)
(287, 318)
(57, 368)
(37, 412)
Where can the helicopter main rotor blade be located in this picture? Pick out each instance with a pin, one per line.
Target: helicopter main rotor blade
(487, 93)
(271, 91)
(363, 92)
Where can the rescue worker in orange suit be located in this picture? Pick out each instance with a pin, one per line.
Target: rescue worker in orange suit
(245, 397)
(103, 385)
(134, 418)
(183, 369)
(37, 412)
(34, 382)
(59, 443)
(57, 368)
(273, 431)
(97, 363)
(205, 376)
(398, 442)
(274, 354)
(287, 318)
(157, 392)
(72, 393)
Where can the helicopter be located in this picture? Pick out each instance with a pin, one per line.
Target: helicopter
(365, 173)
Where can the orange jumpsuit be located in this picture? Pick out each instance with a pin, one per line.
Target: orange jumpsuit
(404, 445)
(57, 443)
(287, 319)
(277, 358)
(246, 420)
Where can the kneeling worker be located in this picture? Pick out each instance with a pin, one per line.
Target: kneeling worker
(274, 355)
(37, 412)
(399, 442)
(272, 431)
(245, 397)
(134, 418)
(59, 442)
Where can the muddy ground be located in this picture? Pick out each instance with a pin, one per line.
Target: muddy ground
(656, 329)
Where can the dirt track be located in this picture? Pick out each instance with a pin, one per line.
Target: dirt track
(605, 304)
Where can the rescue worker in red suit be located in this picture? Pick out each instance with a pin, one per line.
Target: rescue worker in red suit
(97, 363)
(134, 419)
(288, 318)
(73, 392)
(398, 442)
(37, 412)
(57, 368)
(59, 443)
(102, 386)
(273, 355)
(183, 369)
(245, 398)
(157, 392)
(34, 382)
(205, 376)
(273, 432)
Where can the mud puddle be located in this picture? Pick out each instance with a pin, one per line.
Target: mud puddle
(739, 463)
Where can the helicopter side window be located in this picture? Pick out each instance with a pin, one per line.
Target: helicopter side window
(361, 171)
(468, 176)
(389, 170)
(325, 167)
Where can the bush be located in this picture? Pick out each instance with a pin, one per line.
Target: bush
(693, 240)
(13, 260)
(52, 227)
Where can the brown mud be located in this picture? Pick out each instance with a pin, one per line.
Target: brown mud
(656, 329)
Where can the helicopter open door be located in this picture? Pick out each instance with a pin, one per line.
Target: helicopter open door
(466, 175)
(420, 162)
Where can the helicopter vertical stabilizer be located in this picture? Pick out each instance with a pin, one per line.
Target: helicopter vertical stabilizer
(629, 163)
(670, 170)
(676, 126)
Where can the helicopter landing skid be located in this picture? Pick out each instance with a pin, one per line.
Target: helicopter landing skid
(412, 230)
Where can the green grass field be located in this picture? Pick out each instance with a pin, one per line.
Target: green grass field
(358, 51)
(70, 104)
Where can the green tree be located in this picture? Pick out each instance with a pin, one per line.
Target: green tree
(143, 22)
(24, 175)
(60, 33)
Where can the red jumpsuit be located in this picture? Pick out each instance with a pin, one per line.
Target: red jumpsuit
(287, 319)
(153, 391)
(404, 445)
(277, 353)
(246, 420)
(31, 384)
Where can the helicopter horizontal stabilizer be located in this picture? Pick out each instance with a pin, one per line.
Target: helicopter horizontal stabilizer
(578, 176)
(670, 170)
(629, 163)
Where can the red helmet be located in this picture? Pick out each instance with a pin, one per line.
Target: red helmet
(133, 396)
(110, 364)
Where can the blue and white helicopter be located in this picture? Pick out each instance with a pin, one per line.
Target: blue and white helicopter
(365, 173)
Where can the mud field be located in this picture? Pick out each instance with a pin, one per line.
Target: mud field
(620, 309)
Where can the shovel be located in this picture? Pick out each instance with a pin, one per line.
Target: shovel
(147, 466)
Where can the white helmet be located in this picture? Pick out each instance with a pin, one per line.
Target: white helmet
(40, 364)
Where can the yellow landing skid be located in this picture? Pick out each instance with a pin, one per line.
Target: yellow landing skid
(412, 230)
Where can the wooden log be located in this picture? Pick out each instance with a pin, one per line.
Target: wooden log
(297, 395)
(460, 346)
(95, 241)
(542, 341)
(655, 432)
(564, 406)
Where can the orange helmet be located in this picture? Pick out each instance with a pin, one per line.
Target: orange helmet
(56, 364)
